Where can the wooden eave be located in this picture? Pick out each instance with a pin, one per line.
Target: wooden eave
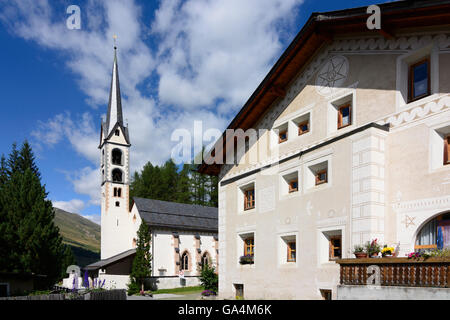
(319, 31)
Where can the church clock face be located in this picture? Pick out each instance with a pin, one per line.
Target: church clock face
(332, 75)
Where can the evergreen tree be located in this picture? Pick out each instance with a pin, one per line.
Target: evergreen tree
(168, 183)
(142, 263)
(169, 178)
(13, 160)
(183, 189)
(30, 240)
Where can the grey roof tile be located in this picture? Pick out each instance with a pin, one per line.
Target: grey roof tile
(174, 215)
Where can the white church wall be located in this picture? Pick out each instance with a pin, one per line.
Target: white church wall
(163, 254)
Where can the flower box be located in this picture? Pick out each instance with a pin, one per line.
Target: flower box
(246, 259)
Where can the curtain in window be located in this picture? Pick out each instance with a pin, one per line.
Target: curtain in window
(445, 230)
(427, 235)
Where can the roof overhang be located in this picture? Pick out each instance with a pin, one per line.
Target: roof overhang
(320, 30)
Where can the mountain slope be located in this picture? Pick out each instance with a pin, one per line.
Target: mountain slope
(81, 234)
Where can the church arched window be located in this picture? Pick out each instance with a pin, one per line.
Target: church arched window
(205, 259)
(117, 175)
(118, 192)
(185, 261)
(117, 157)
(117, 132)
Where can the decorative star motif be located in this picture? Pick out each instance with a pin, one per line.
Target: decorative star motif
(408, 221)
(332, 74)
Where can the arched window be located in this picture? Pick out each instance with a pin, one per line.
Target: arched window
(185, 261)
(117, 157)
(117, 132)
(205, 259)
(134, 243)
(118, 192)
(435, 234)
(117, 175)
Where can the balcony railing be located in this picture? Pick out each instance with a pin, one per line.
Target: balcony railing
(432, 272)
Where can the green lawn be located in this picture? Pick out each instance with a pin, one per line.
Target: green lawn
(183, 290)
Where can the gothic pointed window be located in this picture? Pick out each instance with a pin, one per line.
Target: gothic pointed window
(117, 175)
(205, 259)
(117, 157)
(185, 261)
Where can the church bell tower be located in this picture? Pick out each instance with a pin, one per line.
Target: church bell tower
(115, 174)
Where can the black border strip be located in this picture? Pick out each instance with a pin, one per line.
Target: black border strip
(301, 153)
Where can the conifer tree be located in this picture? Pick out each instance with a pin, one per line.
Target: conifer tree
(142, 263)
(30, 240)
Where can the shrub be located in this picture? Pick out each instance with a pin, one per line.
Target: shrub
(208, 278)
(133, 288)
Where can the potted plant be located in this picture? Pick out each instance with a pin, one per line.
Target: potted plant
(373, 248)
(247, 259)
(387, 251)
(359, 252)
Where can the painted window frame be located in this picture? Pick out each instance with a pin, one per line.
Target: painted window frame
(291, 188)
(340, 116)
(280, 133)
(317, 175)
(250, 246)
(249, 204)
(411, 67)
(290, 251)
(300, 125)
(332, 247)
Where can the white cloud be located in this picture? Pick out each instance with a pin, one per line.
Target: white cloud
(210, 56)
(94, 218)
(72, 206)
(217, 50)
(87, 182)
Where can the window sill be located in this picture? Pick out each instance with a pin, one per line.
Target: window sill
(341, 130)
(288, 265)
(443, 167)
(320, 187)
(291, 195)
(248, 211)
(246, 266)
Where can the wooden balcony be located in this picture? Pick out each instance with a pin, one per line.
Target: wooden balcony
(432, 272)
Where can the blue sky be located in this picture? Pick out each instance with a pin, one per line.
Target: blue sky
(179, 61)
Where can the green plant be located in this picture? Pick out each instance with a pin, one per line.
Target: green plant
(372, 247)
(441, 253)
(208, 278)
(133, 288)
(358, 249)
(142, 263)
(247, 259)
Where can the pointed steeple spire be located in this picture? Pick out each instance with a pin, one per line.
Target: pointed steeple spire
(115, 102)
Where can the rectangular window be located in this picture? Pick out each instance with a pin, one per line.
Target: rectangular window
(249, 246)
(447, 150)
(303, 128)
(282, 136)
(249, 199)
(419, 80)
(293, 185)
(321, 177)
(291, 256)
(344, 116)
(326, 294)
(335, 247)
